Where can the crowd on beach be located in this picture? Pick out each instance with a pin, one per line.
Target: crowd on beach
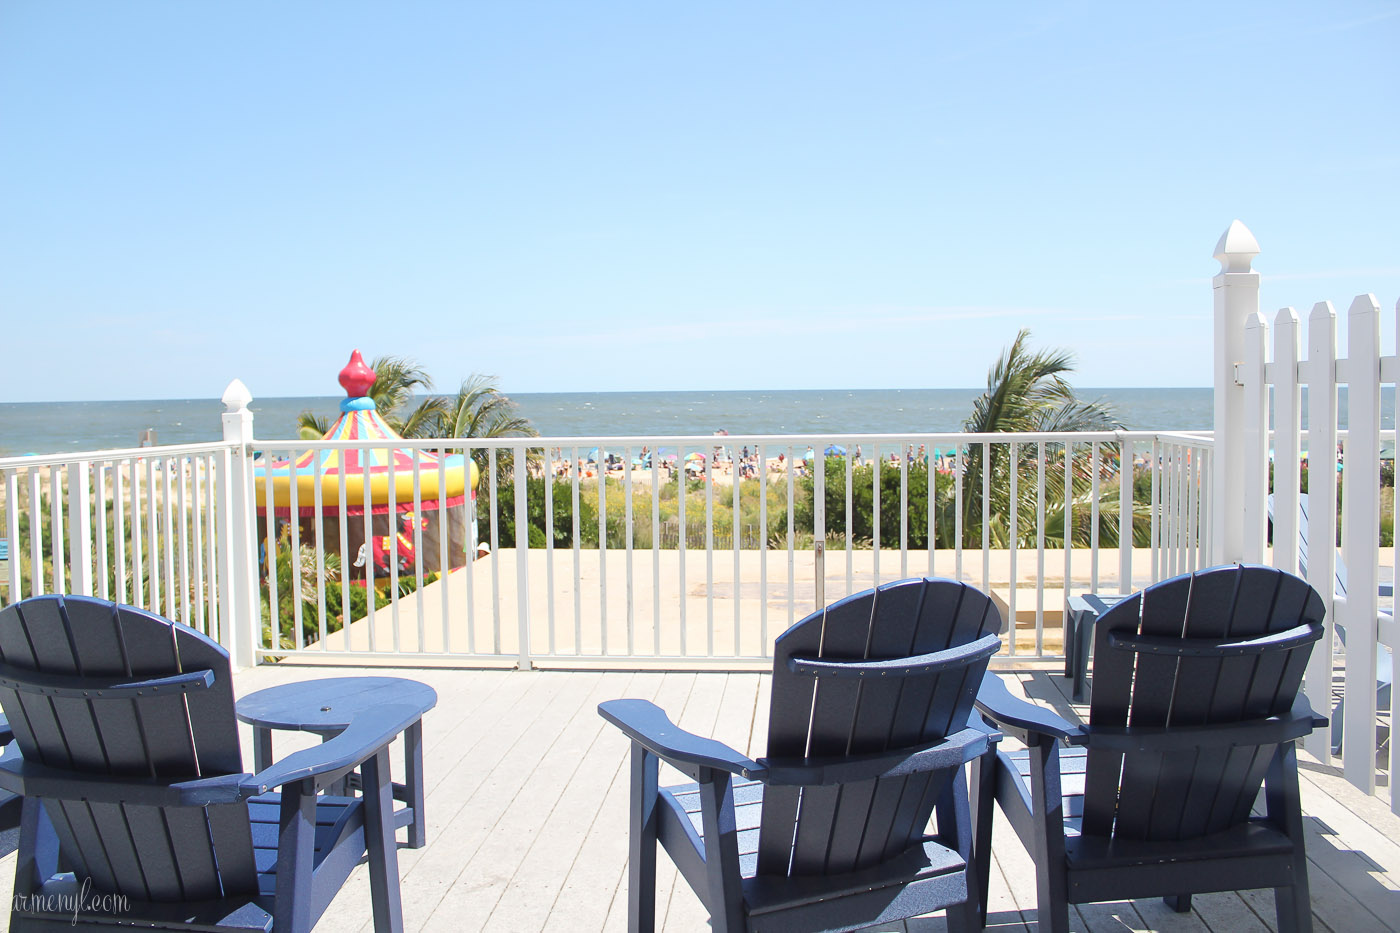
(724, 463)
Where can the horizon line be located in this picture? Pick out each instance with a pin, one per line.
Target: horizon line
(256, 399)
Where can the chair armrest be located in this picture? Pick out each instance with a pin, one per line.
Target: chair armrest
(648, 725)
(1021, 718)
(31, 779)
(328, 762)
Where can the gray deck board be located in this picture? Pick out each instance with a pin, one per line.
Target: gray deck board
(527, 828)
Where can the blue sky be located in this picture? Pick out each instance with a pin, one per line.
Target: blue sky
(606, 196)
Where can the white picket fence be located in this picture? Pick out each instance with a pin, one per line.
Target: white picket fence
(1276, 361)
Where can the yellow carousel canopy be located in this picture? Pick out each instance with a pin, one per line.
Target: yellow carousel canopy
(362, 469)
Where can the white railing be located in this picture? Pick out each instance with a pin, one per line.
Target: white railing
(1366, 617)
(139, 526)
(646, 577)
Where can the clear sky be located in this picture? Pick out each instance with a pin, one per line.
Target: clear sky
(630, 196)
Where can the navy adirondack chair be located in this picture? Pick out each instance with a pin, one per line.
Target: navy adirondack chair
(9, 802)
(1195, 704)
(868, 734)
(126, 752)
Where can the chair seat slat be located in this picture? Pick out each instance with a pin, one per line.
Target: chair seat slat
(110, 821)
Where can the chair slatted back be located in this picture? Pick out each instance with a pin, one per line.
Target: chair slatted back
(146, 852)
(1156, 796)
(838, 828)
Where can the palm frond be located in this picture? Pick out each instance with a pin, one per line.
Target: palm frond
(395, 379)
(311, 426)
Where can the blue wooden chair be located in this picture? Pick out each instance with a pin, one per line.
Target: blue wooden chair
(1195, 703)
(9, 803)
(126, 753)
(868, 734)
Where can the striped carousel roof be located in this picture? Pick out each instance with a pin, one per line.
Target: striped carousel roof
(351, 472)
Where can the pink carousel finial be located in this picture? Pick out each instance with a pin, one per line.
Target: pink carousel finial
(356, 377)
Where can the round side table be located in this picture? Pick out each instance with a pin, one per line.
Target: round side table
(325, 708)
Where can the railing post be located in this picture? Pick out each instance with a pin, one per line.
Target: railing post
(522, 556)
(79, 528)
(238, 597)
(1125, 514)
(1236, 297)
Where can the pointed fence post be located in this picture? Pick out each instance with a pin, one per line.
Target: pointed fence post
(1287, 424)
(1236, 298)
(1361, 505)
(1253, 503)
(1322, 519)
(238, 597)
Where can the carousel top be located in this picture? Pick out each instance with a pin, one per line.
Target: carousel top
(348, 476)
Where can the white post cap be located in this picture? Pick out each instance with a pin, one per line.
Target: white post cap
(1237, 247)
(236, 396)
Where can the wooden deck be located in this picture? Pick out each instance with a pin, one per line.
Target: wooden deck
(527, 825)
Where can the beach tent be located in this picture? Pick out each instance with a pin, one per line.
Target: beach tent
(361, 478)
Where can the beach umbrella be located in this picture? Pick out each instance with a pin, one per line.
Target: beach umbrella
(694, 456)
(592, 456)
(835, 450)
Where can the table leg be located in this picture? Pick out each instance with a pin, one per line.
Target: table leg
(413, 778)
(1071, 629)
(262, 748)
(1083, 638)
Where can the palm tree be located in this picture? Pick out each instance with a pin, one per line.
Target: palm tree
(480, 410)
(1027, 391)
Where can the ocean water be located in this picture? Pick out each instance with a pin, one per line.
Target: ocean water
(61, 427)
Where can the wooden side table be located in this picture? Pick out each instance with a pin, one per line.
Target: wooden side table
(1081, 613)
(325, 708)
